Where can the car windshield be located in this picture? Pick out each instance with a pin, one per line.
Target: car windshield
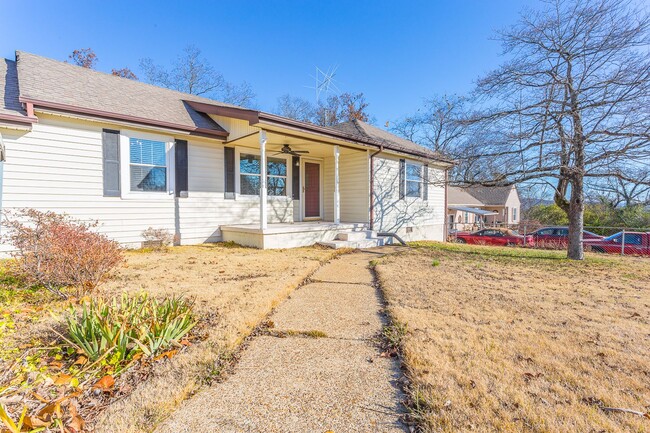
(613, 237)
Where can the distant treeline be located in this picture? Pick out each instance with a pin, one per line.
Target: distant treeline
(596, 215)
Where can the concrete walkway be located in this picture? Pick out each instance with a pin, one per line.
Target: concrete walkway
(338, 383)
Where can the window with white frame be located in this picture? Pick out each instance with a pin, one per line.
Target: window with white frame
(514, 214)
(147, 165)
(413, 180)
(250, 173)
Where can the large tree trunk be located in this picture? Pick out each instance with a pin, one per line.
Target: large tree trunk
(576, 212)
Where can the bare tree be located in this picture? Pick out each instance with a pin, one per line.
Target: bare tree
(84, 57)
(296, 108)
(191, 73)
(124, 73)
(571, 105)
(616, 191)
(439, 125)
(341, 108)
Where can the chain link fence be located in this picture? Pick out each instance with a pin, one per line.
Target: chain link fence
(633, 241)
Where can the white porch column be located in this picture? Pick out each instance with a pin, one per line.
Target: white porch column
(337, 196)
(263, 201)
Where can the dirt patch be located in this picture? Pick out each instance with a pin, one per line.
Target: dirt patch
(512, 340)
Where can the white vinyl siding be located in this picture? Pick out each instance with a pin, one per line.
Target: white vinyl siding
(58, 166)
(354, 186)
(424, 219)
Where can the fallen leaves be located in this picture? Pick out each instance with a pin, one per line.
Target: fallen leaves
(105, 384)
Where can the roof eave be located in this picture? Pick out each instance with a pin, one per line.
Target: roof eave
(23, 120)
(116, 116)
(255, 118)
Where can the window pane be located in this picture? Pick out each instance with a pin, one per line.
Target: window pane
(144, 178)
(633, 239)
(147, 152)
(413, 188)
(249, 185)
(249, 164)
(277, 186)
(413, 172)
(276, 167)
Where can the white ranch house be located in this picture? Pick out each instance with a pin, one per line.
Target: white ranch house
(133, 156)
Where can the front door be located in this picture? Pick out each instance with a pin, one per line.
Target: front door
(312, 190)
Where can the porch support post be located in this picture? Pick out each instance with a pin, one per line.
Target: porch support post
(337, 196)
(263, 201)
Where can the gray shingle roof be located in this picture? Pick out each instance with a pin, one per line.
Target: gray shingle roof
(490, 195)
(390, 141)
(459, 197)
(9, 104)
(52, 81)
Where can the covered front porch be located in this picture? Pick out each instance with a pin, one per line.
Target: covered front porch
(301, 190)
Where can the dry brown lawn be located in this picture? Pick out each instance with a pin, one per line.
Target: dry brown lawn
(234, 288)
(513, 340)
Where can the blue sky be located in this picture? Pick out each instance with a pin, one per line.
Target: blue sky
(397, 53)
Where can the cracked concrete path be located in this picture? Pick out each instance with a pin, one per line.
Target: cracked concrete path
(338, 383)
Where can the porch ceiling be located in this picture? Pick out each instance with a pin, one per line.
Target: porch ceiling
(275, 141)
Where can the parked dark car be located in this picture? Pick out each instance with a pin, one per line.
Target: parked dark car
(558, 237)
(494, 236)
(636, 243)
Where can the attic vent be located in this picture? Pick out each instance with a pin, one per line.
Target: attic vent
(409, 230)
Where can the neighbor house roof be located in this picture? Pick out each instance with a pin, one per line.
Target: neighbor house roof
(59, 85)
(10, 107)
(491, 195)
(479, 195)
(459, 197)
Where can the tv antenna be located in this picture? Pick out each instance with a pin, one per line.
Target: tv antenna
(325, 82)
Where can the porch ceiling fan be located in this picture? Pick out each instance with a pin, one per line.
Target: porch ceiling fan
(287, 150)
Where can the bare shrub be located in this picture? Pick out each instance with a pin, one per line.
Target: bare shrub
(157, 238)
(57, 251)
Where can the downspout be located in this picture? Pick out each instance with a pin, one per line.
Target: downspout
(372, 186)
(446, 230)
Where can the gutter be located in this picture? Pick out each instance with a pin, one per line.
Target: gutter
(372, 186)
(114, 116)
(23, 120)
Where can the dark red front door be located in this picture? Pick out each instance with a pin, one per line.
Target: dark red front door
(312, 190)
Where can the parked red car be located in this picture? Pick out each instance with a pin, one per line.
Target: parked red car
(494, 236)
(558, 237)
(636, 243)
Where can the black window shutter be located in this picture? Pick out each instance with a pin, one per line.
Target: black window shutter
(295, 177)
(111, 162)
(402, 177)
(425, 183)
(182, 173)
(229, 170)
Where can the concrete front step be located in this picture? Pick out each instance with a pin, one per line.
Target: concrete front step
(363, 243)
(356, 236)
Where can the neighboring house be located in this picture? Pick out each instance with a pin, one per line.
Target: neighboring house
(132, 156)
(475, 206)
